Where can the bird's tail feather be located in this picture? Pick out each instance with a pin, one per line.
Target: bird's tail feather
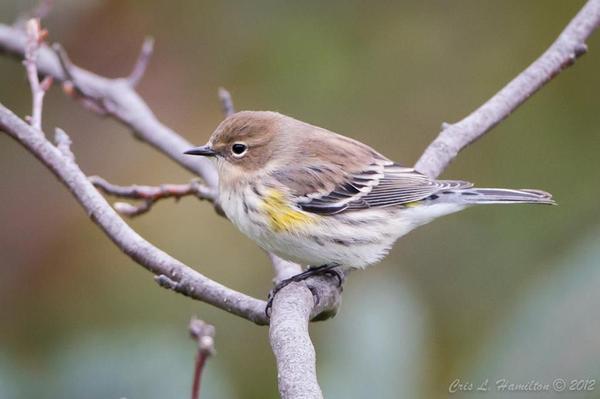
(503, 196)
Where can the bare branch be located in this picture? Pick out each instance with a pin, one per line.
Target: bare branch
(204, 335)
(151, 194)
(291, 344)
(70, 87)
(35, 37)
(317, 298)
(119, 99)
(226, 102)
(142, 62)
(185, 279)
(562, 53)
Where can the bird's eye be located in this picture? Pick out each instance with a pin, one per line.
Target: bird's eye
(239, 149)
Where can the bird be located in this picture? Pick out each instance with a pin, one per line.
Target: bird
(325, 200)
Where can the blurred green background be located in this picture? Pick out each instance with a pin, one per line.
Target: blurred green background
(493, 292)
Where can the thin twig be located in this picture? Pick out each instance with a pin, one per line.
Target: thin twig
(226, 102)
(151, 194)
(70, 86)
(35, 37)
(204, 335)
(139, 69)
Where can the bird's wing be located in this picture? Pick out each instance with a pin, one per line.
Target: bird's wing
(328, 189)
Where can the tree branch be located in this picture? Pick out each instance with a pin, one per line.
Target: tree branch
(204, 335)
(291, 344)
(60, 160)
(139, 69)
(35, 37)
(560, 55)
(184, 279)
(150, 194)
(118, 98)
(226, 102)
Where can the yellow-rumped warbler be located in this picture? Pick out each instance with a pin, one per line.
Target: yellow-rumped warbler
(318, 198)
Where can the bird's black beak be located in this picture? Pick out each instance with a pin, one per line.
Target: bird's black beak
(205, 150)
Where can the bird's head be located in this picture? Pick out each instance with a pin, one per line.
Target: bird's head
(250, 143)
(245, 141)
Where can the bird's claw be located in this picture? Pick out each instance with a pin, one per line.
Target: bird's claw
(327, 270)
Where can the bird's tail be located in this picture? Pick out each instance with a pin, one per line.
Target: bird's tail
(501, 196)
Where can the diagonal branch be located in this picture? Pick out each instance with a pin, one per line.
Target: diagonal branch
(569, 46)
(181, 278)
(61, 161)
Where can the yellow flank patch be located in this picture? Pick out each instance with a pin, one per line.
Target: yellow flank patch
(283, 217)
(412, 204)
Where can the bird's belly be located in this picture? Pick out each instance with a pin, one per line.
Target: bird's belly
(351, 239)
(354, 240)
(317, 249)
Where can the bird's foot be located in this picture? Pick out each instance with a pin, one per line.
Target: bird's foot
(327, 270)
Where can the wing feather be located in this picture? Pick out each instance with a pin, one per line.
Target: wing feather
(381, 184)
(338, 174)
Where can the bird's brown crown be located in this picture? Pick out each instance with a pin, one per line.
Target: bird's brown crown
(255, 130)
